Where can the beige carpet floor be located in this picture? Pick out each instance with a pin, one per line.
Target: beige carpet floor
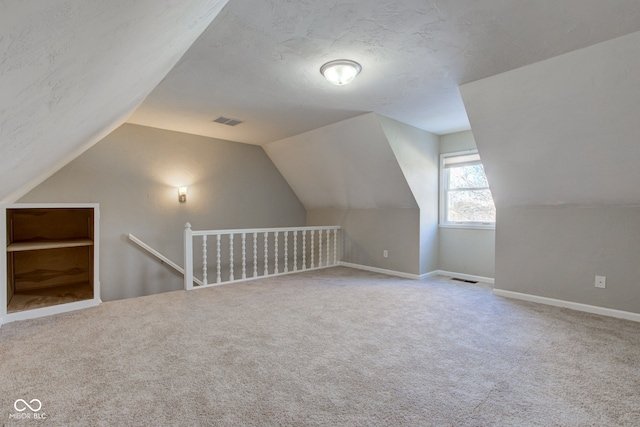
(338, 347)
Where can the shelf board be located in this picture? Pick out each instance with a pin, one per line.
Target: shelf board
(46, 297)
(48, 244)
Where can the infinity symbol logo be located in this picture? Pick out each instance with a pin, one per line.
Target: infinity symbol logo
(26, 405)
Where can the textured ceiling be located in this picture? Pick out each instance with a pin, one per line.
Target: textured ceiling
(71, 71)
(259, 60)
(345, 165)
(568, 128)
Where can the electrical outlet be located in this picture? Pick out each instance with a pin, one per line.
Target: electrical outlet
(601, 282)
(385, 253)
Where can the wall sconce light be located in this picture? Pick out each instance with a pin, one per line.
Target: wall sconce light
(182, 194)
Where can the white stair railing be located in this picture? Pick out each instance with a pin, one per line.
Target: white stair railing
(163, 259)
(276, 253)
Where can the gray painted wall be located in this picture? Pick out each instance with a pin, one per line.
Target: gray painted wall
(345, 165)
(556, 252)
(416, 151)
(347, 174)
(458, 141)
(467, 251)
(462, 250)
(133, 173)
(367, 232)
(559, 140)
(378, 179)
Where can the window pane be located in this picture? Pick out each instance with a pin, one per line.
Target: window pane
(471, 205)
(467, 177)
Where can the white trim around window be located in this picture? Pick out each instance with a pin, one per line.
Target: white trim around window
(458, 159)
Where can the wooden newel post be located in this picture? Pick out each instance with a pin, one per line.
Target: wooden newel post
(188, 257)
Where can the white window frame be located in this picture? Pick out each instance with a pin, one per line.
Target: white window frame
(443, 198)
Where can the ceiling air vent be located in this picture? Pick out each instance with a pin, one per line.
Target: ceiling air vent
(227, 121)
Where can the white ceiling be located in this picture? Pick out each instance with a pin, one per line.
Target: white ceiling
(71, 71)
(345, 165)
(259, 60)
(568, 128)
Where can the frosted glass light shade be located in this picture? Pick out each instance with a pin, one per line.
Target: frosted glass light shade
(341, 71)
(182, 194)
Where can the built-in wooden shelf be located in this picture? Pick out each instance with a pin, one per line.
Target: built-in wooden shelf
(48, 244)
(50, 260)
(54, 295)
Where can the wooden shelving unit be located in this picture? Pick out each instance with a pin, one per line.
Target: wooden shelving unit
(50, 244)
(51, 259)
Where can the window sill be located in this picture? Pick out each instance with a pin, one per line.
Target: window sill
(469, 226)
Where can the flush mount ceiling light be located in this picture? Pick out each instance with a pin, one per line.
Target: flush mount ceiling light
(341, 71)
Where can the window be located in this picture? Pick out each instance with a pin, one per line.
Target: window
(465, 198)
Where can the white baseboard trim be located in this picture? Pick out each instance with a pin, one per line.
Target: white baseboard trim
(569, 304)
(48, 311)
(381, 270)
(482, 279)
(429, 274)
(416, 276)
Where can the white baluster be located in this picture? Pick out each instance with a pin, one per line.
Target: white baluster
(204, 259)
(295, 250)
(319, 248)
(231, 257)
(312, 248)
(286, 251)
(244, 255)
(335, 246)
(266, 254)
(328, 245)
(275, 270)
(188, 257)
(304, 249)
(218, 278)
(255, 254)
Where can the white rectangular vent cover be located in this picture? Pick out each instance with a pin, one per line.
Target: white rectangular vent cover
(227, 121)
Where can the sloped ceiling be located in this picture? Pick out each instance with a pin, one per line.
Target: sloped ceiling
(73, 70)
(346, 165)
(417, 154)
(562, 131)
(260, 60)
